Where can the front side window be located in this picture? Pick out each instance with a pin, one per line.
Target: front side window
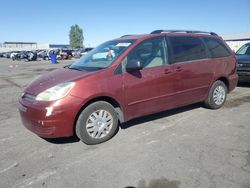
(187, 49)
(216, 48)
(244, 50)
(102, 56)
(151, 53)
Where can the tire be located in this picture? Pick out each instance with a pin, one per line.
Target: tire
(217, 95)
(97, 123)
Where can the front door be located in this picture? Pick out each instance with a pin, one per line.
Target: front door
(152, 88)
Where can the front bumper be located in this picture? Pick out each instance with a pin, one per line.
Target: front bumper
(50, 120)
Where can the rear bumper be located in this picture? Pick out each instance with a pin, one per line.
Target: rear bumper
(50, 121)
(233, 81)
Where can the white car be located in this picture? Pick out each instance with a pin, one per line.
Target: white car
(13, 54)
(86, 50)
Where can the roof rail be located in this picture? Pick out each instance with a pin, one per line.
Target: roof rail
(182, 31)
(125, 36)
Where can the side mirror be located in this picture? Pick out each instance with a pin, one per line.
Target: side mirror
(133, 65)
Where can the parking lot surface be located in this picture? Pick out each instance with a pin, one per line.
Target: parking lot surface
(183, 148)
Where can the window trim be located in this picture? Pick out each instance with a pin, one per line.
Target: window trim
(166, 55)
(221, 43)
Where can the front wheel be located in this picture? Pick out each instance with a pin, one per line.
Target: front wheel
(217, 95)
(97, 123)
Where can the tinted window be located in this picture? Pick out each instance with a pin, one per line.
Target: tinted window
(244, 50)
(151, 53)
(216, 48)
(187, 48)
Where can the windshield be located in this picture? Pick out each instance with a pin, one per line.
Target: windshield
(244, 50)
(102, 56)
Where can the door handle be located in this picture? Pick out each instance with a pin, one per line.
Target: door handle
(178, 69)
(167, 71)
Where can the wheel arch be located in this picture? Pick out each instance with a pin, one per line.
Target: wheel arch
(110, 100)
(225, 81)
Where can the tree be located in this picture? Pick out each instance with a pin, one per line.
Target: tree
(76, 36)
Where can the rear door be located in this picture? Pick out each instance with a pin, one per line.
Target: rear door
(189, 57)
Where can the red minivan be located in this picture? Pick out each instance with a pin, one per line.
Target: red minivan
(129, 77)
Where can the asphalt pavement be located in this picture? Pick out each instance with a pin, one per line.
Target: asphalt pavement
(182, 148)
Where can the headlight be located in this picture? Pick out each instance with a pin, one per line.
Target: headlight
(57, 92)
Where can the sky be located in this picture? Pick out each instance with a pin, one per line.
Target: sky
(49, 21)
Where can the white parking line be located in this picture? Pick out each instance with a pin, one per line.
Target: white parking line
(35, 179)
(9, 167)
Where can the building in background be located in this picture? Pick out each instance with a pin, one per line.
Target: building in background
(236, 40)
(19, 46)
(59, 46)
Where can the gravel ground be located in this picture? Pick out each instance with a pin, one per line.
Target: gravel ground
(183, 148)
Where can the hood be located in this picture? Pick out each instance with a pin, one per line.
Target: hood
(53, 78)
(243, 58)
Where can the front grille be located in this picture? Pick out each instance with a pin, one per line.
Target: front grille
(243, 67)
(243, 64)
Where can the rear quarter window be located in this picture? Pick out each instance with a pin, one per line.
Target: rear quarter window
(216, 47)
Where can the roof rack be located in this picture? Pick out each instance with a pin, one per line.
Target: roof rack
(126, 36)
(182, 31)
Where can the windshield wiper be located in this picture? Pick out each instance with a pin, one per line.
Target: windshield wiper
(74, 68)
(84, 68)
(67, 66)
(94, 68)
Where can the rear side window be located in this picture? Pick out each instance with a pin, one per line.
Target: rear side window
(216, 48)
(187, 48)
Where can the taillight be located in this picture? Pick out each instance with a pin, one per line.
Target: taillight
(235, 62)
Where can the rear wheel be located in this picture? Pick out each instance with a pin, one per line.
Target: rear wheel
(217, 95)
(97, 123)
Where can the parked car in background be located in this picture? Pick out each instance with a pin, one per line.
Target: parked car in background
(65, 54)
(243, 67)
(126, 78)
(40, 53)
(13, 54)
(7, 54)
(19, 55)
(77, 52)
(86, 50)
(16, 56)
(22, 55)
(31, 56)
(43, 54)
